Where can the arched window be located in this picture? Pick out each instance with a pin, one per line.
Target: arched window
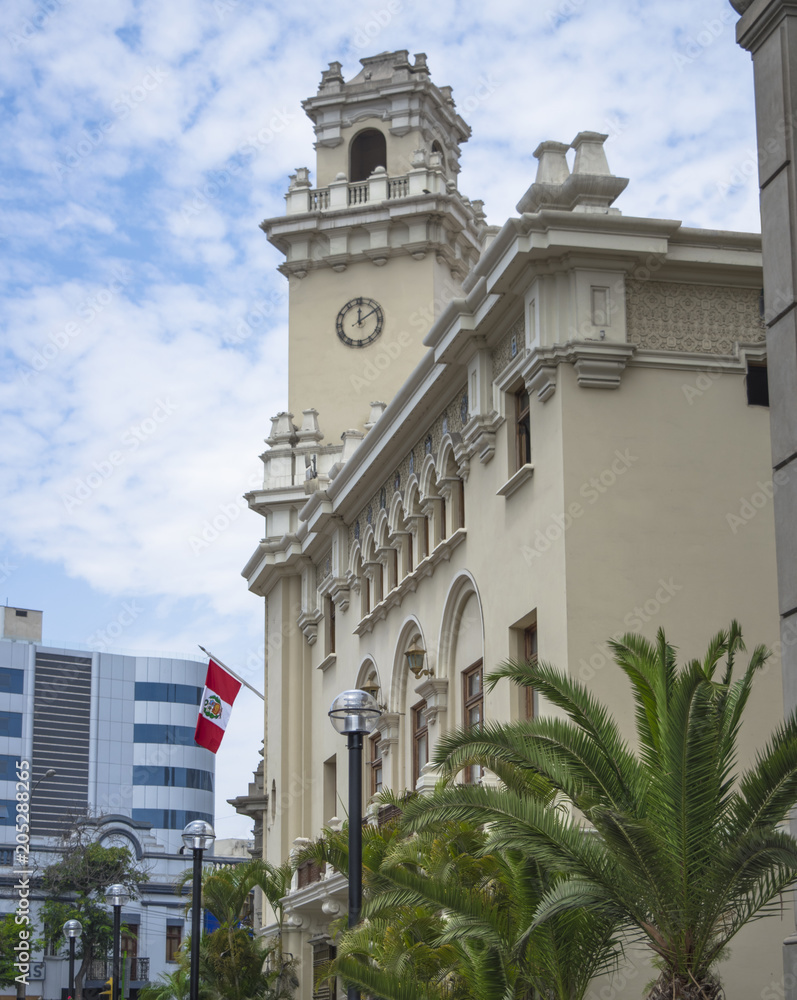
(437, 148)
(367, 152)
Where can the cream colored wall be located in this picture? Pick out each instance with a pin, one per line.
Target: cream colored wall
(658, 541)
(341, 381)
(685, 467)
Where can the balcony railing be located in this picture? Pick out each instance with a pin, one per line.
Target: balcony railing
(134, 970)
(341, 193)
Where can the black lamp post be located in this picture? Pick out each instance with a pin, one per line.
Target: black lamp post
(72, 929)
(116, 896)
(198, 836)
(355, 713)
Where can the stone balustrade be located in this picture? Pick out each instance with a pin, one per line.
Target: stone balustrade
(342, 193)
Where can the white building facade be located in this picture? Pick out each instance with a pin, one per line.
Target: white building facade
(512, 442)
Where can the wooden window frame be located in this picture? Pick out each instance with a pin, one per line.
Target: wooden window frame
(375, 763)
(522, 429)
(173, 932)
(530, 655)
(418, 734)
(469, 701)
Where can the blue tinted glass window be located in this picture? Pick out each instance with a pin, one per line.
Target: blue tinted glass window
(183, 694)
(12, 681)
(170, 819)
(11, 724)
(181, 736)
(173, 777)
(8, 815)
(8, 767)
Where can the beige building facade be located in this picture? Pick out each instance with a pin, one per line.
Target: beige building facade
(568, 439)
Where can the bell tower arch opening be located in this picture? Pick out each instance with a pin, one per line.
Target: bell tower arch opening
(368, 151)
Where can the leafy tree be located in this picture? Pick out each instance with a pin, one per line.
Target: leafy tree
(9, 938)
(76, 886)
(680, 850)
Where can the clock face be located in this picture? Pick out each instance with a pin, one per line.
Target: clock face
(360, 322)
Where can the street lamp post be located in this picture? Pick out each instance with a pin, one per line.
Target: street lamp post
(355, 713)
(198, 836)
(72, 929)
(116, 896)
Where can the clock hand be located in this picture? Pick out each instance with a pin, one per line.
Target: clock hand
(367, 315)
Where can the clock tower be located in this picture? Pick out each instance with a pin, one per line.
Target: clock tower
(382, 242)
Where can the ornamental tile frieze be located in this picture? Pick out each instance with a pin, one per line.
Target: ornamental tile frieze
(448, 422)
(511, 344)
(700, 319)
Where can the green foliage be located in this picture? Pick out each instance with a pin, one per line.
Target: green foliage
(76, 885)
(682, 852)
(233, 964)
(9, 938)
(449, 917)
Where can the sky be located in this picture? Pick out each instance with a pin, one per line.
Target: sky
(144, 324)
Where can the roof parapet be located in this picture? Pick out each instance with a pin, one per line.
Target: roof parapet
(591, 187)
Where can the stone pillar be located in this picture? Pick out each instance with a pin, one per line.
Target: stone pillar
(768, 30)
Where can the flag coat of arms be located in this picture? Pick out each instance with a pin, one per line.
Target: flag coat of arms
(214, 710)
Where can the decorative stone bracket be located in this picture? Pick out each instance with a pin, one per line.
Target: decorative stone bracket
(597, 365)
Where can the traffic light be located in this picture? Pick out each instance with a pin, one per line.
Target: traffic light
(109, 992)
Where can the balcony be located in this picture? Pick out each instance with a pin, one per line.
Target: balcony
(134, 970)
(425, 178)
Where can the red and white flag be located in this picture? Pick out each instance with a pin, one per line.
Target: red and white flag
(220, 691)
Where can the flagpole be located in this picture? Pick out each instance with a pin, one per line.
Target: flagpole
(232, 673)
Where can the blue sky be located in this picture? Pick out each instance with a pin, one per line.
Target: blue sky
(144, 324)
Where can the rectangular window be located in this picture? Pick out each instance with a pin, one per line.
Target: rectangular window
(11, 724)
(530, 656)
(375, 758)
(12, 681)
(420, 740)
(174, 938)
(331, 611)
(323, 953)
(757, 385)
(473, 704)
(522, 429)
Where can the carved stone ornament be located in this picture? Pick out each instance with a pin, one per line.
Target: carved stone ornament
(698, 319)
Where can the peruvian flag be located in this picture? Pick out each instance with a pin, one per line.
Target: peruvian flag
(215, 707)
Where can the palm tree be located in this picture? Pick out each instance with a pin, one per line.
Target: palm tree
(234, 965)
(677, 848)
(447, 917)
